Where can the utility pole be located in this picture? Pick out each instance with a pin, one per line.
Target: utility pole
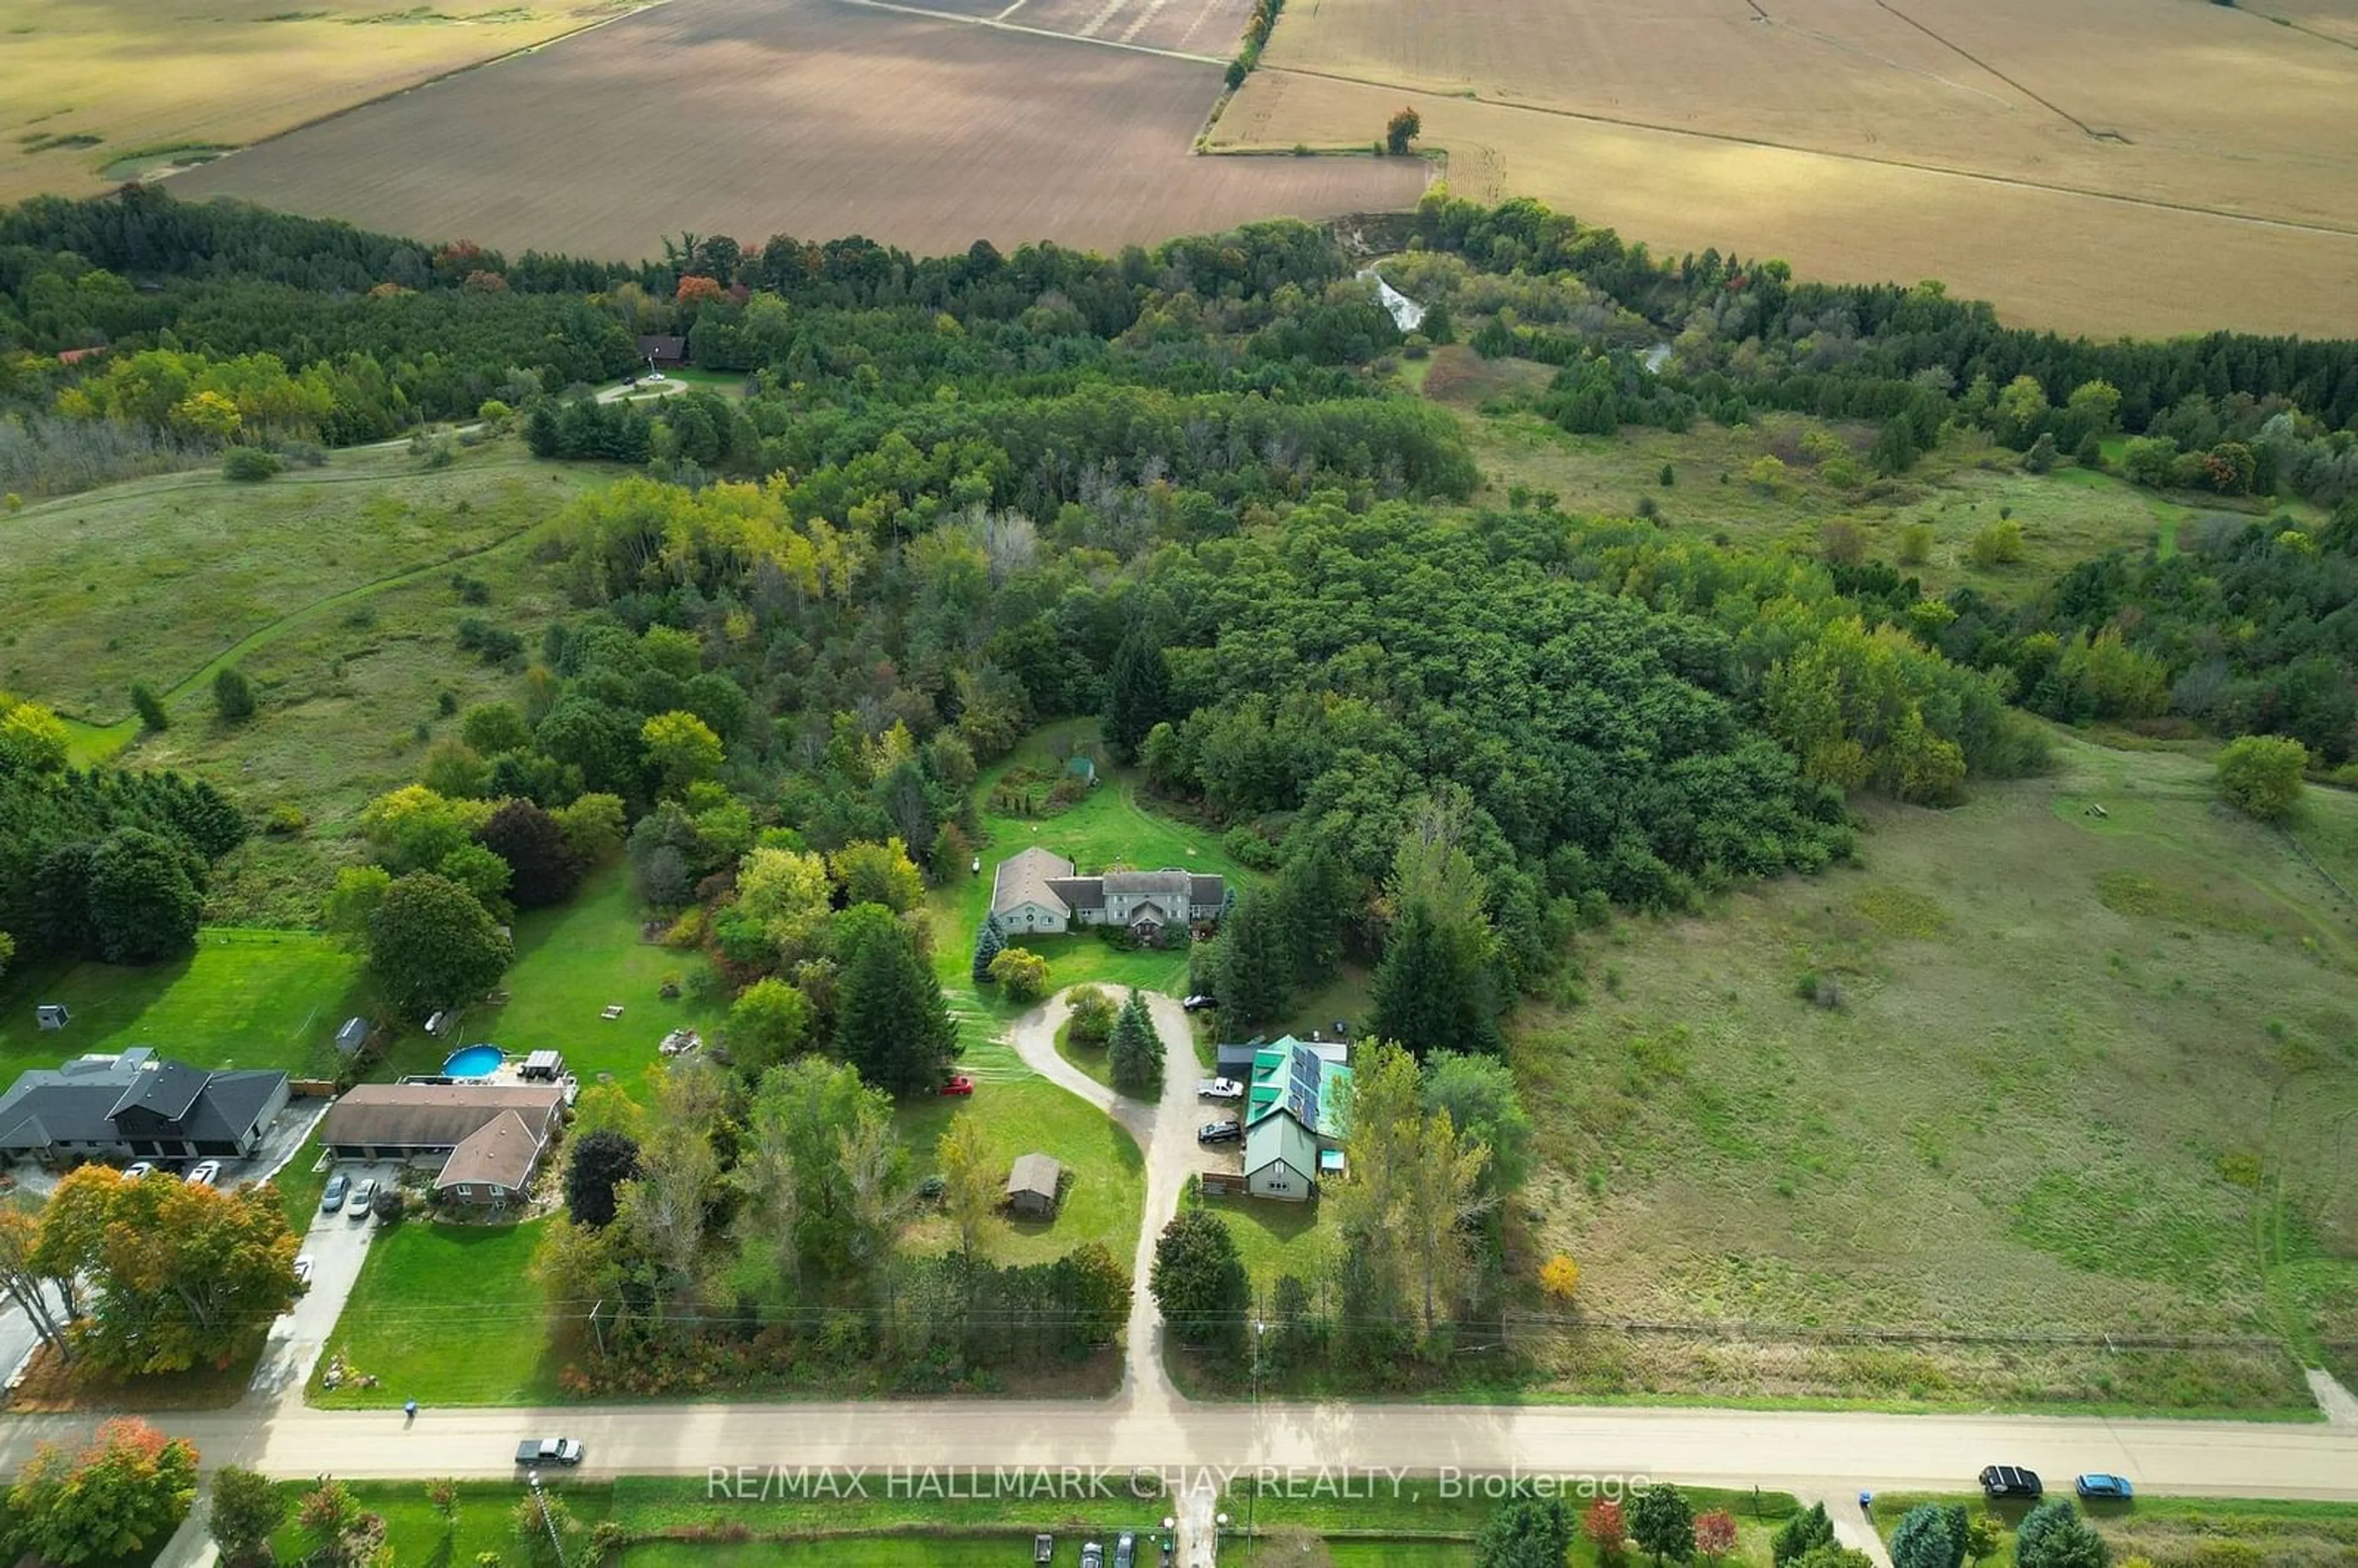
(555, 1539)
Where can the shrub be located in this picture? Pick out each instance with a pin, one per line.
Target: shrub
(233, 695)
(149, 706)
(1915, 544)
(250, 463)
(1021, 973)
(1560, 1277)
(1999, 545)
(2260, 775)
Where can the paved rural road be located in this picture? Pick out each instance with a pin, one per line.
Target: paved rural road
(1166, 1132)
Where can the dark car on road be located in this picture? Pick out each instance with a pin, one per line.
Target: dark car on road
(1218, 1133)
(1199, 1002)
(2010, 1481)
(2100, 1487)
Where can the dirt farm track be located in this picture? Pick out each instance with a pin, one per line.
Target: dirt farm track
(816, 118)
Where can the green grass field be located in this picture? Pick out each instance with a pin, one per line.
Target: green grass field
(1105, 1190)
(1277, 1238)
(1416, 1515)
(156, 579)
(446, 1314)
(244, 998)
(418, 1535)
(570, 963)
(2086, 1079)
(2168, 1529)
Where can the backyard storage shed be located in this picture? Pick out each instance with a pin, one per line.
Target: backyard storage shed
(351, 1036)
(1032, 1188)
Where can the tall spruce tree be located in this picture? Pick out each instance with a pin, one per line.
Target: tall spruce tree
(1138, 693)
(1254, 977)
(1433, 990)
(1135, 1053)
(987, 944)
(891, 1021)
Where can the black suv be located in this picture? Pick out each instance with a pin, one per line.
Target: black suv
(2009, 1481)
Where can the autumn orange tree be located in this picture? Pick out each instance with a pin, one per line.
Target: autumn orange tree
(120, 1496)
(178, 1275)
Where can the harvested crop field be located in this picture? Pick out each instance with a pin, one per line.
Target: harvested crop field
(97, 91)
(812, 117)
(2153, 121)
(1206, 28)
(2047, 258)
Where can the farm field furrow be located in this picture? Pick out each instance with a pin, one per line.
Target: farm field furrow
(809, 118)
(2068, 261)
(92, 91)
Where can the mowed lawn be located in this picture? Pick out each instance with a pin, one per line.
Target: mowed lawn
(244, 998)
(2089, 1075)
(571, 963)
(2168, 1529)
(1105, 1180)
(444, 1314)
(418, 1534)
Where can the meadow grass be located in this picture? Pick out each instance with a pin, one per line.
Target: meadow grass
(2065, 516)
(2081, 1066)
(243, 999)
(444, 1314)
(649, 1504)
(160, 579)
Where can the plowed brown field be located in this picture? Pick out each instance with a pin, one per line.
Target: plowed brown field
(2103, 165)
(810, 117)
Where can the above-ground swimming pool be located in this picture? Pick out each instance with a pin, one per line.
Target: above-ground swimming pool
(473, 1061)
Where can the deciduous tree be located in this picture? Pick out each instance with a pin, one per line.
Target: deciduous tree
(246, 1510)
(143, 901)
(2260, 775)
(120, 1496)
(1606, 1527)
(432, 944)
(1021, 974)
(681, 748)
(602, 1160)
(1093, 1018)
(1403, 127)
(1715, 1534)
(544, 866)
(972, 1184)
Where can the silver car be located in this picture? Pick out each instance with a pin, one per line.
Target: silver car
(362, 1195)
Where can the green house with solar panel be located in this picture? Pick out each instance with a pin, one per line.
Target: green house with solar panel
(1293, 1118)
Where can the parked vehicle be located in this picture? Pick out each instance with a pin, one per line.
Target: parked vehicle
(1125, 1550)
(548, 1451)
(206, 1174)
(1093, 1555)
(1218, 1133)
(1199, 1002)
(961, 1084)
(362, 1195)
(2010, 1481)
(303, 1269)
(1220, 1089)
(332, 1198)
(139, 1171)
(2104, 1488)
(1043, 1547)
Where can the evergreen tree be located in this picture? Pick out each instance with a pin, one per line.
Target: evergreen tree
(1314, 898)
(1433, 990)
(1525, 1533)
(1254, 975)
(233, 695)
(2053, 1535)
(1801, 1535)
(149, 706)
(1135, 1053)
(1927, 1537)
(891, 1021)
(987, 944)
(1138, 693)
(1662, 1521)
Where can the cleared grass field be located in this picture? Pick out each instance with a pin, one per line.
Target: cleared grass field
(244, 998)
(2170, 1530)
(810, 117)
(98, 90)
(160, 579)
(2090, 1077)
(2077, 263)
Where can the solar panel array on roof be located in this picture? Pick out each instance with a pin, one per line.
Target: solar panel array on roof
(1305, 1074)
(1298, 1105)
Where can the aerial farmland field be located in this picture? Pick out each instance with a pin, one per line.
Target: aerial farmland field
(2064, 159)
(95, 92)
(811, 117)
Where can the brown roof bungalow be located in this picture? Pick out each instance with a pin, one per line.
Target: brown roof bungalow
(494, 1165)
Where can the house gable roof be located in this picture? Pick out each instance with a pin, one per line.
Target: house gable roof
(1275, 1139)
(433, 1116)
(500, 1154)
(1036, 1174)
(165, 1090)
(1030, 878)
